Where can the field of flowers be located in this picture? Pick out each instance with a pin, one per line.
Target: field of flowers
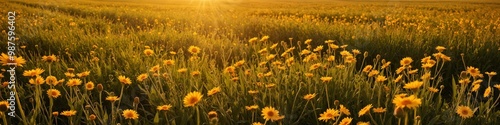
(223, 62)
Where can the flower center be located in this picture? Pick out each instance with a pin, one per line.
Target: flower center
(406, 102)
(193, 100)
(270, 114)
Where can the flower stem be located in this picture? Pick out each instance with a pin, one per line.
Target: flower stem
(113, 113)
(406, 119)
(373, 120)
(51, 103)
(166, 118)
(197, 115)
(121, 93)
(4, 119)
(315, 114)
(326, 93)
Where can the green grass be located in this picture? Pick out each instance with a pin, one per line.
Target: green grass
(116, 33)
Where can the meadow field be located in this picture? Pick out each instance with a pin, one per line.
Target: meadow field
(249, 62)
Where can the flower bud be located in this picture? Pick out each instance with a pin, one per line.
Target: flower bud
(71, 70)
(399, 112)
(212, 114)
(136, 100)
(88, 107)
(100, 88)
(92, 117)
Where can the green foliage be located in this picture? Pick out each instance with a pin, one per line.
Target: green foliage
(109, 39)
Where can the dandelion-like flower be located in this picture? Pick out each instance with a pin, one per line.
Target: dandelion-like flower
(305, 52)
(53, 93)
(89, 86)
(309, 75)
(51, 80)
(373, 73)
(406, 61)
(269, 113)
(155, 69)
(346, 121)
(194, 50)
(464, 112)
(182, 70)
(380, 78)
(440, 48)
(83, 74)
(263, 51)
(385, 65)
(345, 53)
(270, 57)
(257, 123)
(411, 102)
(253, 92)
(367, 68)
(379, 110)
(413, 85)
(148, 52)
(487, 92)
(413, 71)
(363, 123)
(230, 69)
(350, 59)
(474, 72)
(50, 58)
(333, 46)
(69, 75)
(130, 114)
(497, 86)
(33, 72)
(329, 114)
(398, 79)
(142, 77)
(264, 39)
(326, 79)
(426, 76)
(318, 48)
(365, 110)
(309, 96)
(37, 81)
(330, 58)
(491, 74)
(168, 62)
(112, 98)
(124, 80)
(433, 90)
(239, 63)
(344, 110)
(400, 69)
(308, 41)
(74, 82)
(4, 106)
(252, 107)
(213, 91)
(163, 107)
(252, 40)
(475, 87)
(195, 73)
(192, 99)
(6, 60)
(68, 113)
(270, 85)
